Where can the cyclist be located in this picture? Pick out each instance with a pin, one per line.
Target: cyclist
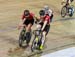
(67, 3)
(44, 23)
(49, 12)
(27, 21)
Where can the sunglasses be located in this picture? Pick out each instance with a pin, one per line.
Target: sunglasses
(26, 14)
(42, 14)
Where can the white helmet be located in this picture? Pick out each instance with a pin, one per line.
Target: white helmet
(46, 7)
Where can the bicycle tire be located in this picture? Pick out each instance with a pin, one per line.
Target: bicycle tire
(71, 8)
(21, 38)
(33, 44)
(63, 11)
(71, 14)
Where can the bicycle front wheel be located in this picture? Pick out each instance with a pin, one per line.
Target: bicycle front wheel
(63, 11)
(21, 38)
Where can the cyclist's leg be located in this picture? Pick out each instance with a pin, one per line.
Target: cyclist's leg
(28, 24)
(28, 30)
(45, 32)
(28, 34)
(43, 40)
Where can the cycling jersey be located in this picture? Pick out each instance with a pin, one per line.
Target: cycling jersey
(29, 20)
(46, 18)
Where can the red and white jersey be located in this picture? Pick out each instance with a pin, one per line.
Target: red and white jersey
(46, 18)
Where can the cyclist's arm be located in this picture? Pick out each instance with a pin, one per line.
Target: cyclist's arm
(50, 12)
(45, 22)
(22, 20)
(36, 19)
(44, 25)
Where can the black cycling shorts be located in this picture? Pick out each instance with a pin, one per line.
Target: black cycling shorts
(46, 28)
(27, 21)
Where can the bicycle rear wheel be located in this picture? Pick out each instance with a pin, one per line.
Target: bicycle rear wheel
(71, 10)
